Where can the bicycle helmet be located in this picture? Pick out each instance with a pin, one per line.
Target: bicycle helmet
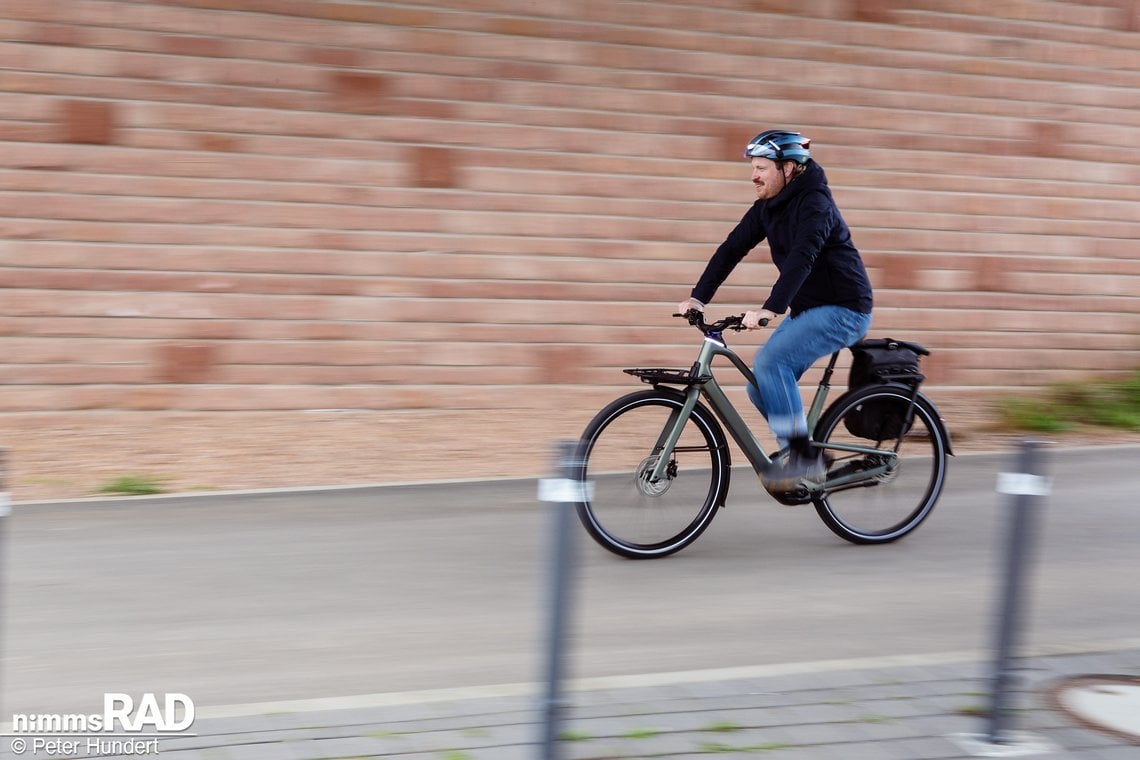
(779, 145)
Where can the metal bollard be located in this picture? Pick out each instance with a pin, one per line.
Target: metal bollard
(565, 490)
(5, 511)
(1026, 485)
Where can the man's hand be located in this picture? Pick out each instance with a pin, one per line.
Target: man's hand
(690, 303)
(752, 319)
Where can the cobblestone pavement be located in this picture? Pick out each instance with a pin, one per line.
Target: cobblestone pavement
(918, 708)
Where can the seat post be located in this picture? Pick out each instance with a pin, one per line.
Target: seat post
(829, 369)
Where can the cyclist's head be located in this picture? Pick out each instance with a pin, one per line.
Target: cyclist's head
(779, 145)
(778, 156)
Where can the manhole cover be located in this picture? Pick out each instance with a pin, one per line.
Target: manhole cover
(1104, 703)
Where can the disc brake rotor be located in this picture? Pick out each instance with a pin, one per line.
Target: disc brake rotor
(645, 470)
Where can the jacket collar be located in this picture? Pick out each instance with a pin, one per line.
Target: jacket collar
(813, 178)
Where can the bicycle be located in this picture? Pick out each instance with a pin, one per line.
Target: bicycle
(658, 464)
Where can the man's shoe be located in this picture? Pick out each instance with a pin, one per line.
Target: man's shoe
(799, 468)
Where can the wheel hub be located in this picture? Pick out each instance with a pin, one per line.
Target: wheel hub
(645, 470)
(892, 471)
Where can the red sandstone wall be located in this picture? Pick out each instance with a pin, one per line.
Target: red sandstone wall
(260, 204)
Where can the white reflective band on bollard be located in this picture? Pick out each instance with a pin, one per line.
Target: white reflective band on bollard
(564, 490)
(1024, 484)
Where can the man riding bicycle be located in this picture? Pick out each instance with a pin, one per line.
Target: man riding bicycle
(821, 280)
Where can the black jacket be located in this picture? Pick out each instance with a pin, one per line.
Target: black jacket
(810, 244)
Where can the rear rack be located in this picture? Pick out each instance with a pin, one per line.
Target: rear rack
(665, 376)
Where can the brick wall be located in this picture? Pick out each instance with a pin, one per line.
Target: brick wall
(291, 204)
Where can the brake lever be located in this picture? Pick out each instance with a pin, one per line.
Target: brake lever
(694, 317)
(738, 326)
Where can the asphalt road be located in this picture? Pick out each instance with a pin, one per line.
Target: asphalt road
(237, 599)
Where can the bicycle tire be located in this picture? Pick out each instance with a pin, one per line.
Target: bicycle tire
(890, 505)
(627, 514)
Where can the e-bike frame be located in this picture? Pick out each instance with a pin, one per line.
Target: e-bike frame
(700, 381)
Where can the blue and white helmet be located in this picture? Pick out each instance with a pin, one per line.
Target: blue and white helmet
(779, 145)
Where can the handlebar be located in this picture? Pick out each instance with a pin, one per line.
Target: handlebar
(696, 318)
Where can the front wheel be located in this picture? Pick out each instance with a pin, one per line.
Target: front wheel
(876, 498)
(629, 512)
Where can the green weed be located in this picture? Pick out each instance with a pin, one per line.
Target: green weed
(1021, 414)
(1101, 403)
(718, 747)
(133, 485)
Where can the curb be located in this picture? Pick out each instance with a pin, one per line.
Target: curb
(190, 499)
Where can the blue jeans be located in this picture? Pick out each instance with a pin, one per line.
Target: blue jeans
(797, 343)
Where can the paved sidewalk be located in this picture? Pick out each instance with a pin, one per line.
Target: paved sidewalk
(850, 710)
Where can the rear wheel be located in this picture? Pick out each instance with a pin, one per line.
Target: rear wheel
(885, 495)
(629, 513)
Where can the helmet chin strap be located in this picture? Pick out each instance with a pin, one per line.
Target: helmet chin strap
(783, 176)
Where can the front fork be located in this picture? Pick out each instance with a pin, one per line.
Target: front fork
(671, 433)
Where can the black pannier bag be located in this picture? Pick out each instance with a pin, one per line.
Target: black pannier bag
(882, 360)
